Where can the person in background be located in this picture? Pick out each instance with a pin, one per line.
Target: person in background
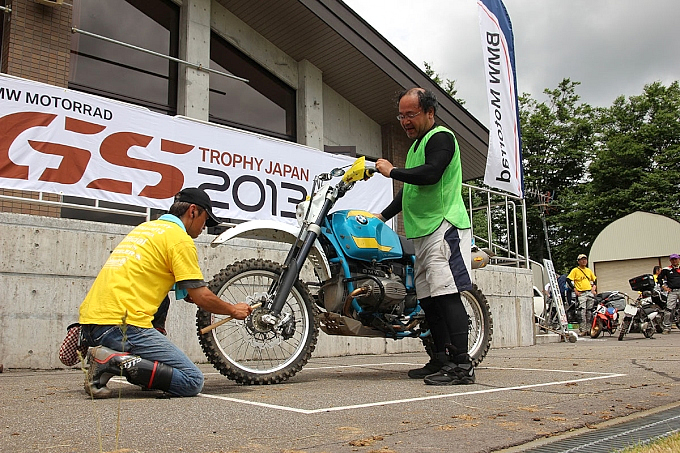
(117, 314)
(585, 289)
(669, 279)
(436, 220)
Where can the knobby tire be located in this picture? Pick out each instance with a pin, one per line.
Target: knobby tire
(480, 326)
(625, 325)
(242, 353)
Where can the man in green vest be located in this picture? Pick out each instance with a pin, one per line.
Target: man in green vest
(436, 220)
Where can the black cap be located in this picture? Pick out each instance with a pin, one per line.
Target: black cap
(199, 198)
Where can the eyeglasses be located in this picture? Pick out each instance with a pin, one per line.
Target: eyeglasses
(410, 116)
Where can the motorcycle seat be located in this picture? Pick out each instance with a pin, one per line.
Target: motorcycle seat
(407, 246)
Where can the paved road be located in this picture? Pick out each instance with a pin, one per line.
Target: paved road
(353, 404)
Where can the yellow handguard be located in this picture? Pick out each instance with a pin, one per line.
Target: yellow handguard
(358, 171)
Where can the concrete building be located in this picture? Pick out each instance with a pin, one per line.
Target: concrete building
(632, 246)
(318, 75)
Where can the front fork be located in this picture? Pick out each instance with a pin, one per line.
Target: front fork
(294, 261)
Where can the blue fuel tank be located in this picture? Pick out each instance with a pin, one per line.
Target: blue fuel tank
(364, 237)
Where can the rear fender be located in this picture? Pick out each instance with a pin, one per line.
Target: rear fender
(284, 233)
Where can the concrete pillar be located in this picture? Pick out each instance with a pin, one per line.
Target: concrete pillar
(194, 84)
(310, 105)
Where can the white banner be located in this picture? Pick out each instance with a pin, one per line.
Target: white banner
(67, 142)
(504, 159)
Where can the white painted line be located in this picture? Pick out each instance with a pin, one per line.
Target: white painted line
(423, 398)
(333, 367)
(254, 403)
(359, 365)
(542, 369)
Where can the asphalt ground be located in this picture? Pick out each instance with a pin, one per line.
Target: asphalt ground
(523, 397)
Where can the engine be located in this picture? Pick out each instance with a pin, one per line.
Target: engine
(382, 294)
(376, 290)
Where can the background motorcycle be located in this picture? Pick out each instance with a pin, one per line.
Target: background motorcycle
(606, 312)
(642, 315)
(645, 314)
(362, 285)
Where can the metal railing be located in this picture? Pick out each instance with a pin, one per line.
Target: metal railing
(64, 204)
(496, 225)
(505, 232)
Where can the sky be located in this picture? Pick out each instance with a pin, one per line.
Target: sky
(612, 47)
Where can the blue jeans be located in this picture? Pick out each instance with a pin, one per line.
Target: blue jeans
(149, 344)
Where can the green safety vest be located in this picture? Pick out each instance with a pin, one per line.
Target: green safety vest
(425, 207)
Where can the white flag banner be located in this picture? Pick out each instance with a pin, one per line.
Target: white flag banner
(71, 143)
(504, 158)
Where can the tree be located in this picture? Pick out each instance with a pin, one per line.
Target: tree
(603, 164)
(557, 145)
(637, 166)
(448, 85)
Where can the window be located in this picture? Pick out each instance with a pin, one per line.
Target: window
(265, 104)
(114, 71)
(118, 72)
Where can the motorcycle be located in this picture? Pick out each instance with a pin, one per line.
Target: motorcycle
(660, 298)
(644, 314)
(606, 313)
(362, 286)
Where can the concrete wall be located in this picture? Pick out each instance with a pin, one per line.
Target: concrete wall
(346, 125)
(48, 264)
(324, 117)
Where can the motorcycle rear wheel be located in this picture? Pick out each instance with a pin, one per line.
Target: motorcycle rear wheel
(480, 326)
(241, 351)
(625, 325)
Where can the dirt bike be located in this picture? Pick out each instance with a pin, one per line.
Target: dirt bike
(363, 286)
(606, 313)
(644, 314)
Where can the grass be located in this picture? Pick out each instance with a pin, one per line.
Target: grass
(669, 444)
(84, 368)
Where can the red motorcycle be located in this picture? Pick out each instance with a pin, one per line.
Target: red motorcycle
(606, 313)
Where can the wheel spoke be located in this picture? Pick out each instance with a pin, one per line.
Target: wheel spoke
(243, 344)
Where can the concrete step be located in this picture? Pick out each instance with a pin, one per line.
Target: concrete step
(549, 337)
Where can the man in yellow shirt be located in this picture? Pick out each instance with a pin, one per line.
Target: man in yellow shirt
(116, 315)
(585, 290)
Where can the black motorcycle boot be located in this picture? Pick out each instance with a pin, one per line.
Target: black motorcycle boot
(435, 364)
(148, 374)
(458, 371)
(106, 363)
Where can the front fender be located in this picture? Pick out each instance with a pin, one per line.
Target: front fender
(271, 230)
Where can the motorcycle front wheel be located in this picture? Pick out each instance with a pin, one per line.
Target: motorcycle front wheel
(596, 329)
(480, 326)
(250, 351)
(625, 325)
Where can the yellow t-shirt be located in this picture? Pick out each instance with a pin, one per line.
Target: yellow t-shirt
(139, 273)
(582, 279)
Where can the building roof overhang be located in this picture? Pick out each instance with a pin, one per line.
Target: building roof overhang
(359, 64)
